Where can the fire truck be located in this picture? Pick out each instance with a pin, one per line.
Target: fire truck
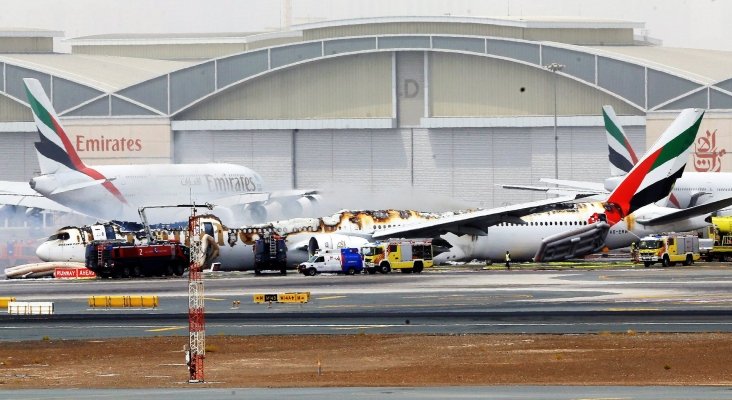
(398, 254)
(119, 259)
(718, 240)
(270, 253)
(669, 249)
(110, 257)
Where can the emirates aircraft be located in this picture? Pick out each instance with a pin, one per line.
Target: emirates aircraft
(115, 192)
(545, 230)
(691, 189)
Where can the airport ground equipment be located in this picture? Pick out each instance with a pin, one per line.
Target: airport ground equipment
(30, 308)
(719, 238)
(4, 301)
(270, 253)
(345, 260)
(406, 255)
(123, 301)
(668, 249)
(119, 259)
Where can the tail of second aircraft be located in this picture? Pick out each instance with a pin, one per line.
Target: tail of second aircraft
(622, 156)
(653, 177)
(55, 151)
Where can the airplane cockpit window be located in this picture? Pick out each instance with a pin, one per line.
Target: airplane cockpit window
(60, 236)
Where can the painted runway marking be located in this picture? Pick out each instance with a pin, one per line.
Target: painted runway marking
(170, 328)
(330, 297)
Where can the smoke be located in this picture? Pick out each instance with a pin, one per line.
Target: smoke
(354, 197)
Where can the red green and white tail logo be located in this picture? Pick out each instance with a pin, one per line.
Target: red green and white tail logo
(653, 177)
(622, 156)
(55, 150)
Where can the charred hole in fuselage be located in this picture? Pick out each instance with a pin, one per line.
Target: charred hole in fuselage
(312, 246)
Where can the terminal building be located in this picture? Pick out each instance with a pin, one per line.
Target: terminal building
(447, 105)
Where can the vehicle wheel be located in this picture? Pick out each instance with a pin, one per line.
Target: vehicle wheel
(351, 271)
(647, 263)
(179, 268)
(418, 267)
(406, 270)
(124, 272)
(169, 270)
(257, 272)
(312, 271)
(384, 268)
(665, 262)
(689, 260)
(371, 271)
(136, 271)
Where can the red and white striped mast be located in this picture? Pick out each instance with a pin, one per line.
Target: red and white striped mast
(196, 323)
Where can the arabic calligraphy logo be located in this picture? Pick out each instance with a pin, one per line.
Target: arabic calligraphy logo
(707, 158)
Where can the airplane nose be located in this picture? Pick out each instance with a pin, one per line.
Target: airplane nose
(44, 251)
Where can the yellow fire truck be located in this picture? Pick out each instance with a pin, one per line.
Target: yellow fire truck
(718, 242)
(669, 249)
(402, 254)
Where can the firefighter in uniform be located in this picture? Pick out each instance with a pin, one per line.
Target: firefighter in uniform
(508, 260)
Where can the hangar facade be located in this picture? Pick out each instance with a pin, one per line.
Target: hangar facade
(445, 105)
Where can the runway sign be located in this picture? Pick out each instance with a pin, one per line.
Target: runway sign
(73, 273)
(301, 297)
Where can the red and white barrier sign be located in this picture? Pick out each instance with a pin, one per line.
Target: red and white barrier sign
(73, 273)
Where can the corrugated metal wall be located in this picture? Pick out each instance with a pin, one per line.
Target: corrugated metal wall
(410, 81)
(462, 164)
(163, 51)
(463, 85)
(604, 37)
(267, 152)
(20, 162)
(12, 111)
(411, 28)
(346, 87)
(26, 44)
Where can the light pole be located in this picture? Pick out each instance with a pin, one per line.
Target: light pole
(554, 67)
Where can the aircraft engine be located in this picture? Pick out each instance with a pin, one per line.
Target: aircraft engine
(33, 212)
(334, 241)
(300, 207)
(261, 212)
(257, 213)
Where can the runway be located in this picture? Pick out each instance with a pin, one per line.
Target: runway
(682, 299)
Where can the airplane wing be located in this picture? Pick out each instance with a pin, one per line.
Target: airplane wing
(562, 187)
(255, 197)
(81, 185)
(474, 222)
(20, 194)
(688, 212)
(583, 185)
(579, 242)
(559, 191)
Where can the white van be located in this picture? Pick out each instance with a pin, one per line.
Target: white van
(346, 261)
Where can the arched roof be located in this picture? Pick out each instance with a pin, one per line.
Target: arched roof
(646, 77)
(644, 84)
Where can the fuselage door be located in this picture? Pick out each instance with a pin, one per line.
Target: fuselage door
(208, 229)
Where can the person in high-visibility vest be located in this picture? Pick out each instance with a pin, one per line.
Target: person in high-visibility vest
(508, 260)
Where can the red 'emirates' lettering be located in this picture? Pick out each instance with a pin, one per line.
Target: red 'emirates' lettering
(102, 144)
